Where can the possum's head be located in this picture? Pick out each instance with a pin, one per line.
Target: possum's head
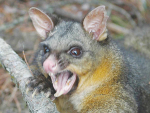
(70, 50)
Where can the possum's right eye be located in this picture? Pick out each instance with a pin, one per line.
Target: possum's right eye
(75, 52)
(46, 49)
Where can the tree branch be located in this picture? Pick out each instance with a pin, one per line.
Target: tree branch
(19, 73)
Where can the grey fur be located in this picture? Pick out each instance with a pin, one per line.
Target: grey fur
(136, 68)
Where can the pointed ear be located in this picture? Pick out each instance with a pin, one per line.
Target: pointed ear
(95, 22)
(42, 22)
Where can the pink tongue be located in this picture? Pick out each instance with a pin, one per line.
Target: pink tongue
(62, 84)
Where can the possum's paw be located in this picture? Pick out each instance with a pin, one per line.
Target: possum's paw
(38, 84)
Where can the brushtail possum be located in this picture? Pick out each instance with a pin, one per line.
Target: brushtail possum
(83, 71)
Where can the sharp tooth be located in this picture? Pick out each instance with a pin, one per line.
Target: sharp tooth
(70, 79)
(55, 84)
(57, 94)
(68, 82)
(52, 74)
(56, 81)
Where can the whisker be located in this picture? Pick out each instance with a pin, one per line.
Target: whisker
(60, 60)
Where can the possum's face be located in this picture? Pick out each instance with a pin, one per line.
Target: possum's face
(68, 51)
(67, 54)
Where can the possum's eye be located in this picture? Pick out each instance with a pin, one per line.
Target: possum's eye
(46, 49)
(75, 52)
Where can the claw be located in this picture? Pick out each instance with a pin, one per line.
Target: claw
(34, 93)
(47, 94)
(27, 90)
(27, 82)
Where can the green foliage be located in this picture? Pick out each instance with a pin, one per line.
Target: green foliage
(118, 35)
(119, 21)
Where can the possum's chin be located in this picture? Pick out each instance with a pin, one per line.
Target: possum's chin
(63, 82)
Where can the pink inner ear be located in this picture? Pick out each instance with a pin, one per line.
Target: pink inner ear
(95, 22)
(41, 21)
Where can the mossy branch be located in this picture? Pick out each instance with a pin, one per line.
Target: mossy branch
(19, 73)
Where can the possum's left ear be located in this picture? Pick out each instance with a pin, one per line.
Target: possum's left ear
(95, 22)
(42, 22)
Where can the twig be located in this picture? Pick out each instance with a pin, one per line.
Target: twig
(118, 29)
(19, 73)
(27, 62)
(36, 45)
(5, 84)
(17, 104)
(28, 53)
(13, 94)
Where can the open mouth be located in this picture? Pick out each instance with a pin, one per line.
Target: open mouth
(63, 82)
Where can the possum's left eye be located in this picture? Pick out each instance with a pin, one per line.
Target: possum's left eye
(75, 52)
(46, 49)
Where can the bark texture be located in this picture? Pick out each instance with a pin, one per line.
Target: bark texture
(19, 73)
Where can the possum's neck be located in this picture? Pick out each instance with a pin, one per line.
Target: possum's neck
(108, 70)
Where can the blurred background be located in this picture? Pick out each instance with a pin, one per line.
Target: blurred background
(129, 22)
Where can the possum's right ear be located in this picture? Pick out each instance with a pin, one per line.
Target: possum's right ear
(42, 22)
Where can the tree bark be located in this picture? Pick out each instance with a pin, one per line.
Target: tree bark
(19, 73)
